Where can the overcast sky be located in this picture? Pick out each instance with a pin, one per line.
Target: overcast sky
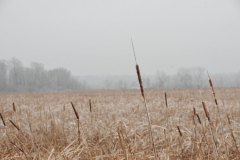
(94, 37)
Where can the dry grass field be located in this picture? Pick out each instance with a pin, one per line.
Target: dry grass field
(44, 125)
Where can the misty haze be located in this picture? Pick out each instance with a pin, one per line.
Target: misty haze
(120, 80)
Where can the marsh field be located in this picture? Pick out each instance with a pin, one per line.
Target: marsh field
(114, 125)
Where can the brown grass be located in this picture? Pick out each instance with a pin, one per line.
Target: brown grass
(44, 125)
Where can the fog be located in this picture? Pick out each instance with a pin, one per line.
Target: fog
(93, 38)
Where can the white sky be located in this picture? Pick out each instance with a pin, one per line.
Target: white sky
(94, 37)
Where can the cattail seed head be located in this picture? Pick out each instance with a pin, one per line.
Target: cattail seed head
(166, 99)
(205, 110)
(90, 105)
(199, 120)
(228, 119)
(179, 131)
(210, 82)
(216, 101)
(14, 108)
(75, 111)
(140, 79)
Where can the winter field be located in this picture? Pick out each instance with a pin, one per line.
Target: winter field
(114, 125)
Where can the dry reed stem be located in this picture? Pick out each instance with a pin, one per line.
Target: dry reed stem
(78, 121)
(90, 105)
(233, 137)
(2, 119)
(210, 126)
(101, 140)
(179, 131)
(20, 149)
(218, 111)
(14, 125)
(199, 120)
(145, 103)
(167, 125)
(14, 107)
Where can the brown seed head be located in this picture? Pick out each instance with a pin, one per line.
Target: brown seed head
(140, 79)
(179, 131)
(75, 111)
(205, 110)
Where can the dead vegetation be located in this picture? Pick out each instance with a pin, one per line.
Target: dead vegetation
(114, 125)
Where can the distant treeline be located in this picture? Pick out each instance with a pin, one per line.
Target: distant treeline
(196, 77)
(14, 77)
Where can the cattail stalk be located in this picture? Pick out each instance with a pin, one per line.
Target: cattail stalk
(90, 105)
(216, 103)
(145, 103)
(179, 131)
(210, 126)
(167, 125)
(233, 137)
(20, 149)
(14, 125)
(14, 107)
(199, 120)
(78, 123)
(195, 130)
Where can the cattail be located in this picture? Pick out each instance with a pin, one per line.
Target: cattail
(90, 105)
(205, 110)
(229, 122)
(14, 108)
(166, 99)
(179, 131)
(210, 82)
(2, 119)
(215, 100)
(233, 137)
(194, 120)
(78, 122)
(199, 120)
(75, 111)
(213, 92)
(208, 117)
(14, 125)
(140, 79)
(19, 149)
(145, 103)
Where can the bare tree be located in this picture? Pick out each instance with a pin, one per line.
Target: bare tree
(162, 79)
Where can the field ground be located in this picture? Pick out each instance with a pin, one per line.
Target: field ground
(44, 125)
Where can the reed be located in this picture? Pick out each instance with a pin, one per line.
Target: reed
(14, 125)
(233, 137)
(44, 129)
(145, 103)
(14, 107)
(210, 127)
(218, 112)
(78, 121)
(90, 105)
(2, 119)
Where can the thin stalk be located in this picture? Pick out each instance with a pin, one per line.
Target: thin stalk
(216, 103)
(234, 139)
(78, 123)
(145, 103)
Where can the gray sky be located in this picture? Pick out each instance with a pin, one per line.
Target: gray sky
(94, 37)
